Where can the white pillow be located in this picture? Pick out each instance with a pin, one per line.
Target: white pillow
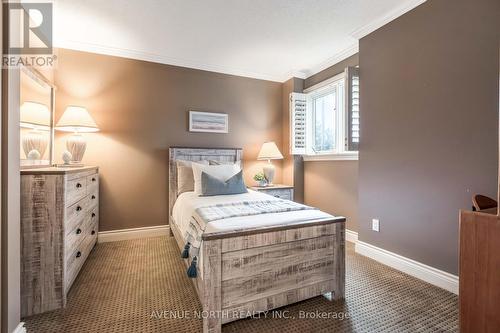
(222, 172)
(185, 180)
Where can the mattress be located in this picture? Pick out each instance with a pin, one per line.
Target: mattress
(188, 202)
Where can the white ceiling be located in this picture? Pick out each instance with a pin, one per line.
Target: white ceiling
(265, 39)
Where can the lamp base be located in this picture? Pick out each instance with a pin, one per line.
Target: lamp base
(76, 145)
(34, 140)
(269, 171)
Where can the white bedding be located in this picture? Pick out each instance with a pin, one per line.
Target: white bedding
(187, 202)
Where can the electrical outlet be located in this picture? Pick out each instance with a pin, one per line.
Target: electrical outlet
(376, 225)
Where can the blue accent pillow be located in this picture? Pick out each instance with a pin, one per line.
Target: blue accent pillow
(214, 186)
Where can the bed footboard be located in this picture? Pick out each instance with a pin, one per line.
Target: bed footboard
(263, 271)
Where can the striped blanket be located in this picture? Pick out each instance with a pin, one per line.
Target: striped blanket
(204, 215)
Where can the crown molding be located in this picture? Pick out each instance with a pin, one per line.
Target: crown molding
(297, 74)
(161, 59)
(383, 20)
(302, 74)
(338, 57)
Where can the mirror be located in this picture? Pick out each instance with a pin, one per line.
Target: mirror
(36, 119)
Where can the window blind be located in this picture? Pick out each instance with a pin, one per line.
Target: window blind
(352, 77)
(298, 115)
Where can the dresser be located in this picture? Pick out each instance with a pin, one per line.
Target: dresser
(59, 224)
(277, 190)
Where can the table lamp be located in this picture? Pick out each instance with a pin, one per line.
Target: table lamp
(35, 116)
(76, 119)
(269, 151)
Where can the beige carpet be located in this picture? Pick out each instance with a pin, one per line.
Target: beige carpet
(125, 286)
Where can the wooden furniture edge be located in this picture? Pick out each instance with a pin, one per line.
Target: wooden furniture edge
(57, 170)
(274, 187)
(261, 230)
(479, 242)
(217, 148)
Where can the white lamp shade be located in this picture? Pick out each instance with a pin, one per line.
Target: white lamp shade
(76, 119)
(269, 151)
(35, 116)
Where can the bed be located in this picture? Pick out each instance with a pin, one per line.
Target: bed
(253, 264)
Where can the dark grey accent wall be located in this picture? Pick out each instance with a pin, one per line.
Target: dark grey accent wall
(429, 103)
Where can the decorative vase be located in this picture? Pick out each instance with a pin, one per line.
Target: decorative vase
(34, 155)
(262, 183)
(66, 157)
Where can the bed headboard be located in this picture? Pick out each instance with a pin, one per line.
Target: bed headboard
(195, 154)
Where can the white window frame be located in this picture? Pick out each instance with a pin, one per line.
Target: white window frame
(339, 153)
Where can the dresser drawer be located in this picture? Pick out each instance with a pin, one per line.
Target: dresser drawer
(76, 236)
(76, 213)
(77, 257)
(94, 228)
(280, 193)
(93, 183)
(81, 230)
(93, 198)
(76, 189)
(73, 264)
(94, 215)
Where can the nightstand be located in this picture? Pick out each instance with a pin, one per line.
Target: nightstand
(277, 190)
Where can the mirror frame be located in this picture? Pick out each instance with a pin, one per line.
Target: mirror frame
(35, 75)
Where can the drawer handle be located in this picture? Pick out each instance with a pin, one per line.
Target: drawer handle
(93, 197)
(78, 254)
(93, 214)
(93, 179)
(78, 208)
(93, 232)
(78, 231)
(78, 185)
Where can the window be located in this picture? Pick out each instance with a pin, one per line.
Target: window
(330, 125)
(326, 107)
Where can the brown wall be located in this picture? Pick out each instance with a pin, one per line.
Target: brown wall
(333, 185)
(331, 71)
(142, 109)
(429, 103)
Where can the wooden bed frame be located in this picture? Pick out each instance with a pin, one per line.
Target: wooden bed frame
(260, 269)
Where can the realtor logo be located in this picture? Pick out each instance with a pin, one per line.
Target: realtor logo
(28, 34)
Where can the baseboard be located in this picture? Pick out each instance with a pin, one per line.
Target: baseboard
(125, 234)
(351, 236)
(411, 267)
(20, 328)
